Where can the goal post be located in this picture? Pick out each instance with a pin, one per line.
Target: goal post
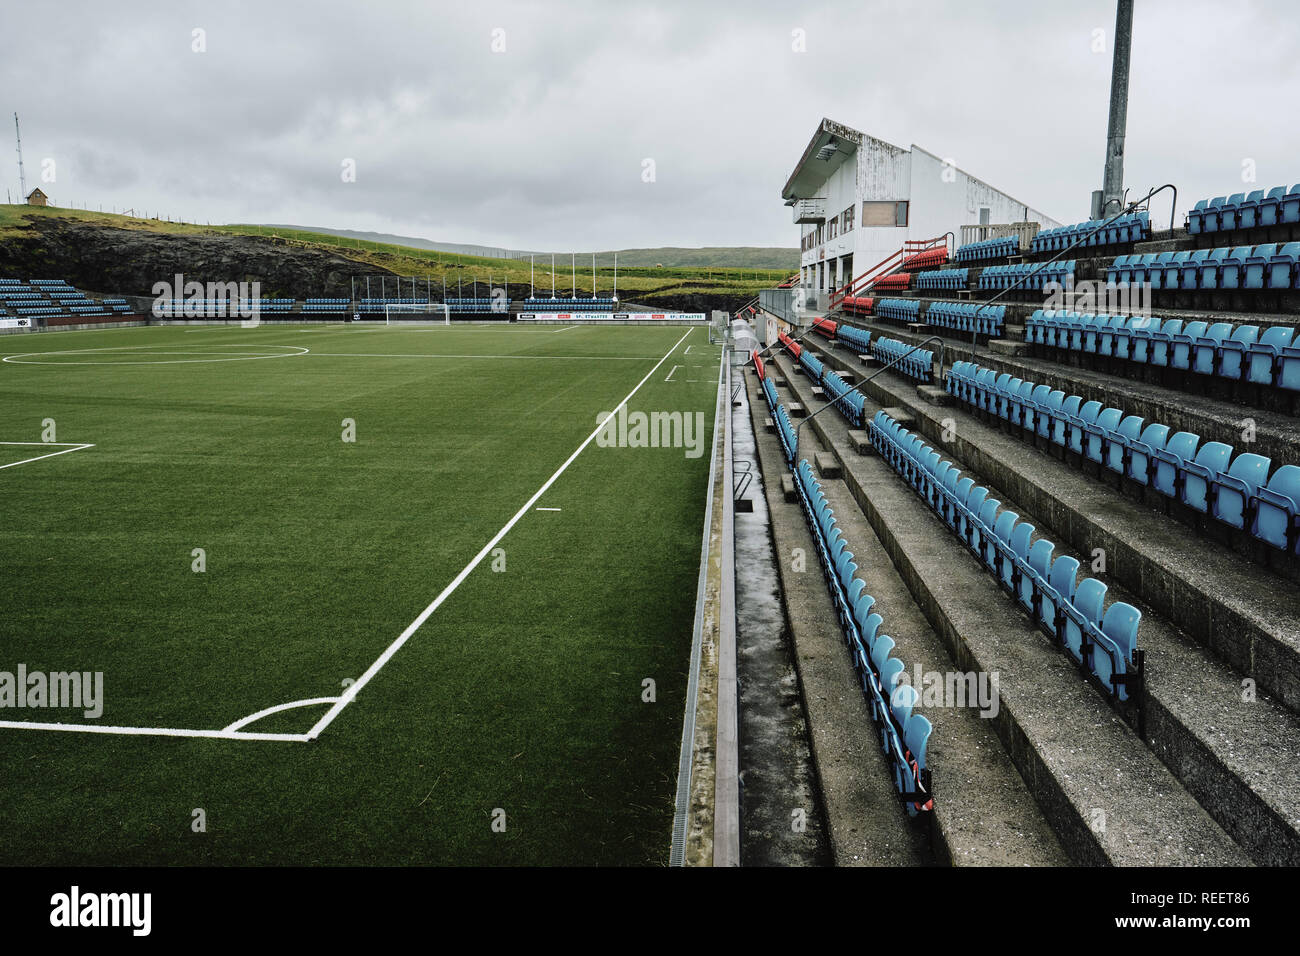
(417, 313)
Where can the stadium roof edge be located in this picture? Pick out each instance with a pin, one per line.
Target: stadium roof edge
(810, 172)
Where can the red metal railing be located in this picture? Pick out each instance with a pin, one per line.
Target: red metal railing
(866, 280)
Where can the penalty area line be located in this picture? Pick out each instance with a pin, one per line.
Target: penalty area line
(353, 689)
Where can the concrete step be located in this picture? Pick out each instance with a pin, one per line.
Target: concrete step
(1236, 751)
(1106, 794)
(984, 814)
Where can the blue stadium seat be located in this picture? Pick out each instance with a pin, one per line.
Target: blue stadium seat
(1117, 642)
(1257, 266)
(1277, 507)
(1083, 614)
(1211, 459)
(1270, 207)
(1233, 350)
(1142, 452)
(1233, 492)
(1171, 459)
(1282, 266)
(1289, 208)
(1263, 356)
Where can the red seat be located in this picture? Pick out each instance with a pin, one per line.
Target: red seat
(923, 260)
(899, 280)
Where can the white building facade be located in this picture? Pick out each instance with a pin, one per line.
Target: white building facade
(858, 199)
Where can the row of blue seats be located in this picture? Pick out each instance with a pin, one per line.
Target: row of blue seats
(857, 339)
(486, 306)
(904, 734)
(1131, 227)
(39, 310)
(1027, 275)
(999, 248)
(784, 429)
(1240, 211)
(1238, 493)
(848, 403)
(907, 310)
(918, 365)
(566, 305)
(942, 279)
(1104, 643)
(967, 317)
(563, 300)
(811, 364)
(1266, 266)
(1236, 352)
(321, 301)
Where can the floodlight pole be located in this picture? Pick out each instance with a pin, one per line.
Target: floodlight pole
(616, 277)
(1112, 189)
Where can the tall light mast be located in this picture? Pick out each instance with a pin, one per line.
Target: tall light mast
(22, 177)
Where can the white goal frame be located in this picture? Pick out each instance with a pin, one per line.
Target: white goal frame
(430, 309)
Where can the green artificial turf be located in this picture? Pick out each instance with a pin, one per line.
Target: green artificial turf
(523, 691)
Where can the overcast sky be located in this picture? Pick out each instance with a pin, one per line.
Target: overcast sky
(543, 144)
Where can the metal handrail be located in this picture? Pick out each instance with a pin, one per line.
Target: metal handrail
(1070, 248)
(910, 247)
(884, 368)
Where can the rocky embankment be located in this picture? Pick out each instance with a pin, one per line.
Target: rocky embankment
(129, 261)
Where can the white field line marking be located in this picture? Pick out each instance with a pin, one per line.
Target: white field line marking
(268, 711)
(14, 464)
(353, 689)
(18, 357)
(546, 509)
(148, 731)
(688, 350)
(439, 355)
(569, 328)
(669, 376)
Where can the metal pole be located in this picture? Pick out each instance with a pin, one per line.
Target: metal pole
(1113, 180)
(552, 275)
(616, 277)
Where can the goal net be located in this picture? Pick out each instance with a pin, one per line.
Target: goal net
(420, 313)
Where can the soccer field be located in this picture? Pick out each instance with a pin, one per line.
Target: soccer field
(414, 558)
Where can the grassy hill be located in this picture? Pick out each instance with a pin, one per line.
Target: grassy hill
(669, 257)
(670, 286)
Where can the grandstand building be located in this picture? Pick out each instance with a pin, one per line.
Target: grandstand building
(857, 200)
